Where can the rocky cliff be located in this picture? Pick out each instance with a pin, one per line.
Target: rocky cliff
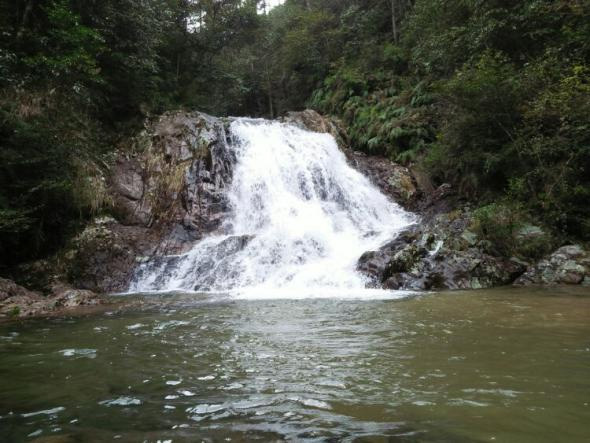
(167, 192)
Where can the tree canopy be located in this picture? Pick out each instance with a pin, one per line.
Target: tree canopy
(490, 95)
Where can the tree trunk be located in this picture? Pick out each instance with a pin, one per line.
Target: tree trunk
(269, 89)
(270, 104)
(394, 21)
(25, 19)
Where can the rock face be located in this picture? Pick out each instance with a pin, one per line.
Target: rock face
(168, 191)
(569, 265)
(102, 257)
(441, 253)
(177, 179)
(392, 179)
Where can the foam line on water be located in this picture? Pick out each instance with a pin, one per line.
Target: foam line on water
(254, 293)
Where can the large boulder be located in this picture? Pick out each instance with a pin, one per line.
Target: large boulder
(392, 179)
(315, 122)
(439, 253)
(568, 265)
(9, 289)
(103, 256)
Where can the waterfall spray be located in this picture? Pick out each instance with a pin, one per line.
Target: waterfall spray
(300, 219)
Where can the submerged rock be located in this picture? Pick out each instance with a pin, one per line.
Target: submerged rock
(569, 265)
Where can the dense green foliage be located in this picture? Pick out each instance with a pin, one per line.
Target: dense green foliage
(491, 96)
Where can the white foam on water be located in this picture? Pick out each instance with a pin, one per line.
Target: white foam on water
(301, 217)
(45, 412)
(205, 409)
(135, 326)
(259, 293)
(88, 353)
(121, 401)
(206, 378)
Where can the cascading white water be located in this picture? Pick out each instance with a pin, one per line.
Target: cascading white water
(301, 217)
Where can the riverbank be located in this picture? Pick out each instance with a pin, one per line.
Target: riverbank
(19, 303)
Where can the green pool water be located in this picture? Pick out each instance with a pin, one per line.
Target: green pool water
(504, 365)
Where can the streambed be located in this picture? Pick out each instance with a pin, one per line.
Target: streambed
(497, 365)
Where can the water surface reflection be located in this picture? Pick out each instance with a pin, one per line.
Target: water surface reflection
(505, 365)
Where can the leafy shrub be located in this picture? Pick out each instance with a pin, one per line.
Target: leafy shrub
(498, 224)
(385, 114)
(481, 112)
(505, 227)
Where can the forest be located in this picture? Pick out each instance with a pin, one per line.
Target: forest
(491, 96)
(294, 220)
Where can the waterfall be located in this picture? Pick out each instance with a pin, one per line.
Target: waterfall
(300, 218)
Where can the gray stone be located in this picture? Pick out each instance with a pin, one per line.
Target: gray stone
(439, 253)
(176, 175)
(18, 302)
(469, 237)
(530, 231)
(567, 265)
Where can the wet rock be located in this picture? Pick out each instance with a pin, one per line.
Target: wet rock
(393, 179)
(9, 289)
(440, 253)
(568, 265)
(175, 175)
(232, 244)
(102, 257)
(313, 121)
(66, 296)
(18, 302)
(375, 264)
(221, 260)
